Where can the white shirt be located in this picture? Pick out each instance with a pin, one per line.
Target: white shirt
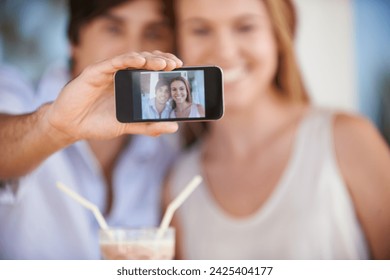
(309, 215)
(40, 222)
(150, 112)
(12, 82)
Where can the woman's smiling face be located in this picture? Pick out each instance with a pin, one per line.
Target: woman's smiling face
(178, 91)
(236, 35)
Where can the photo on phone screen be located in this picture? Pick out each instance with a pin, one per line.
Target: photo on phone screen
(172, 95)
(183, 94)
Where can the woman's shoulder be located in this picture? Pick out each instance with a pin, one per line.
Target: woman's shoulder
(353, 132)
(356, 139)
(360, 149)
(364, 161)
(195, 106)
(345, 125)
(199, 108)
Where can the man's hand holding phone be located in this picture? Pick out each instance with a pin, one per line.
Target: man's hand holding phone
(85, 108)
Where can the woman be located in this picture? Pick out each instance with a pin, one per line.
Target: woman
(159, 107)
(282, 179)
(182, 100)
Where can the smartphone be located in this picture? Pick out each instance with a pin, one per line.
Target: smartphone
(184, 94)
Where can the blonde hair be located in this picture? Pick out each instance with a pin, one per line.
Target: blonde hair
(288, 78)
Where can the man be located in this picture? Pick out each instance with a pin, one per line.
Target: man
(121, 175)
(158, 107)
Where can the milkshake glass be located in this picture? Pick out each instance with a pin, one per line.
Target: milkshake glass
(137, 244)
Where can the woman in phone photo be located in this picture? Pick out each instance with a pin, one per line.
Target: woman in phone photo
(183, 106)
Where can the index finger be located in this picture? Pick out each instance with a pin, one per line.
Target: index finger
(101, 73)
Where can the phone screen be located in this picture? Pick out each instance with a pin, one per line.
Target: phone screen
(172, 95)
(182, 94)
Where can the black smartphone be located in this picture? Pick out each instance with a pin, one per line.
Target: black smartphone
(184, 94)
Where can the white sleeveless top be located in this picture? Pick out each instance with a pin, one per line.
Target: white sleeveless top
(309, 215)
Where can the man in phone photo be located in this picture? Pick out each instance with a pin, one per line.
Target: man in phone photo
(158, 107)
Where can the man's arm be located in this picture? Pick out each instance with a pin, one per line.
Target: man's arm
(25, 141)
(85, 109)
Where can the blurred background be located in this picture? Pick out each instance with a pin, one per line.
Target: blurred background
(342, 46)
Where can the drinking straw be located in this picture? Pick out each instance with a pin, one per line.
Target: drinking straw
(185, 193)
(85, 203)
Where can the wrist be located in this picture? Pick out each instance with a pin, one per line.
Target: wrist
(57, 138)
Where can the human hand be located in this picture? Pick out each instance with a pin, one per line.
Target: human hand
(85, 108)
